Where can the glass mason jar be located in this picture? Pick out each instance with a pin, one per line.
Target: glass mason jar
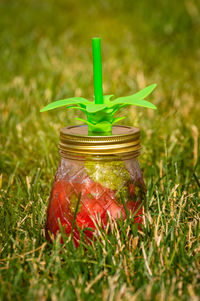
(103, 171)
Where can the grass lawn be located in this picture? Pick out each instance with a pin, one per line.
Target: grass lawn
(46, 54)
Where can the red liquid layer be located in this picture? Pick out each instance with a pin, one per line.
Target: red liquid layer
(96, 201)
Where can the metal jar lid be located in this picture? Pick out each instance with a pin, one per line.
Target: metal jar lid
(75, 140)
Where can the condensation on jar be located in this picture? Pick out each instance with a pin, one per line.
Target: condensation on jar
(103, 171)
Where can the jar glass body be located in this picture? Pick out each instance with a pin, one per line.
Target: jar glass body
(106, 185)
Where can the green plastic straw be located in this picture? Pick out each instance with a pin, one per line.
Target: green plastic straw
(97, 71)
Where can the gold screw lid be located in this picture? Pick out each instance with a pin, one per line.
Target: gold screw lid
(75, 140)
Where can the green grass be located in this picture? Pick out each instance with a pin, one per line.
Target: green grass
(45, 54)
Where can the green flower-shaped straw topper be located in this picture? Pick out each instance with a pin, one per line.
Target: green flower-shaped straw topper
(100, 113)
